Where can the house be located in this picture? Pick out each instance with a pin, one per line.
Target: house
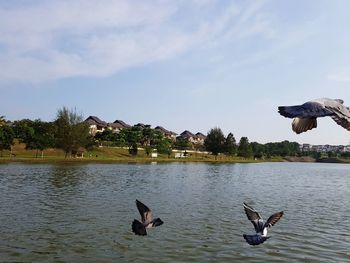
(142, 126)
(167, 134)
(118, 125)
(189, 136)
(200, 137)
(123, 124)
(95, 125)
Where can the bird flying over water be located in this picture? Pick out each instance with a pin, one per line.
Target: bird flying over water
(139, 228)
(305, 115)
(260, 225)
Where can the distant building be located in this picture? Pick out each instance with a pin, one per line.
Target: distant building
(188, 136)
(167, 134)
(118, 125)
(141, 125)
(324, 148)
(95, 124)
(200, 137)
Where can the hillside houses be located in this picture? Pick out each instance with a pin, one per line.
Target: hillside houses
(95, 125)
(167, 134)
(118, 125)
(197, 138)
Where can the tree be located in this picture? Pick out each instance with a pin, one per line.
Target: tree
(6, 138)
(244, 148)
(39, 136)
(146, 135)
(120, 138)
(133, 137)
(22, 128)
(214, 142)
(164, 146)
(258, 149)
(230, 145)
(71, 132)
(182, 143)
(157, 137)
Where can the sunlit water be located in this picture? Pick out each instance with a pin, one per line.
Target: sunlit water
(54, 213)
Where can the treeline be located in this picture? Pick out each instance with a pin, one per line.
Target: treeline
(217, 143)
(67, 132)
(71, 134)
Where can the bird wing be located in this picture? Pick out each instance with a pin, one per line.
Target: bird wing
(300, 125)
(273, 219)
(254, 217)
(341, 113)
(310, 109)
(145, 212)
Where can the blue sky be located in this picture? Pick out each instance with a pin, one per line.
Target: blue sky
(180, 64)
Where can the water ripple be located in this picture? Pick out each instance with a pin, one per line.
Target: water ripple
(83, 213)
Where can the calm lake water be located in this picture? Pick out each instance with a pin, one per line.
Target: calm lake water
(83, 213)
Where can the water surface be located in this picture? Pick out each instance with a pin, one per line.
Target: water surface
(83, 213)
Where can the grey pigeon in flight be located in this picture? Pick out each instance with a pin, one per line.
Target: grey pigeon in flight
(305, 115)
(139, 228)
(260, 225)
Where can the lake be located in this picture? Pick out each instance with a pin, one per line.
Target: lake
(83, 213)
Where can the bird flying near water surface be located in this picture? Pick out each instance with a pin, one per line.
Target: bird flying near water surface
(260, 225)
(139, 228)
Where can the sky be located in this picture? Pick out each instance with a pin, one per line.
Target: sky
(184, 65)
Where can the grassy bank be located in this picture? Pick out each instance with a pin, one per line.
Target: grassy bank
(113, 155)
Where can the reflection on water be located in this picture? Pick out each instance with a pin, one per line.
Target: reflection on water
(54, 213)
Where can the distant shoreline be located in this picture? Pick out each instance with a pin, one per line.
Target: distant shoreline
(136, 160)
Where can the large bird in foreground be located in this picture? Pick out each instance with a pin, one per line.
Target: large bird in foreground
(305, 115)
(139, 228)
(260, 225)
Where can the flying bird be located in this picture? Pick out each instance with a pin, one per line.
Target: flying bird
(139, 228)
(260, 225)
(305, 115)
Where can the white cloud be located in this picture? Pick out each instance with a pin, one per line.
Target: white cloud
(58, 39)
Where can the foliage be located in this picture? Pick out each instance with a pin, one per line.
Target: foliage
(230, 146)
(164, 146)
(6, 138)
(215, 141)
(22, 129)
(146, 135)
(284, 148)
(106, 135)
(259, 150)
(71, 133)
(148, 150)
(39, 136)
(182, 144)
(133, 137)
(244, 148)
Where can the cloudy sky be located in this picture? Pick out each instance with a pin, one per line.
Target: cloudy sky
(180, 64)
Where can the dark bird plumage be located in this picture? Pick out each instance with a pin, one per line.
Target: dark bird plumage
(260, 225)
(147, 221)
(305, 115)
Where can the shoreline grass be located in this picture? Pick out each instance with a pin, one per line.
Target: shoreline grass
(114, 155)
(110, 155)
